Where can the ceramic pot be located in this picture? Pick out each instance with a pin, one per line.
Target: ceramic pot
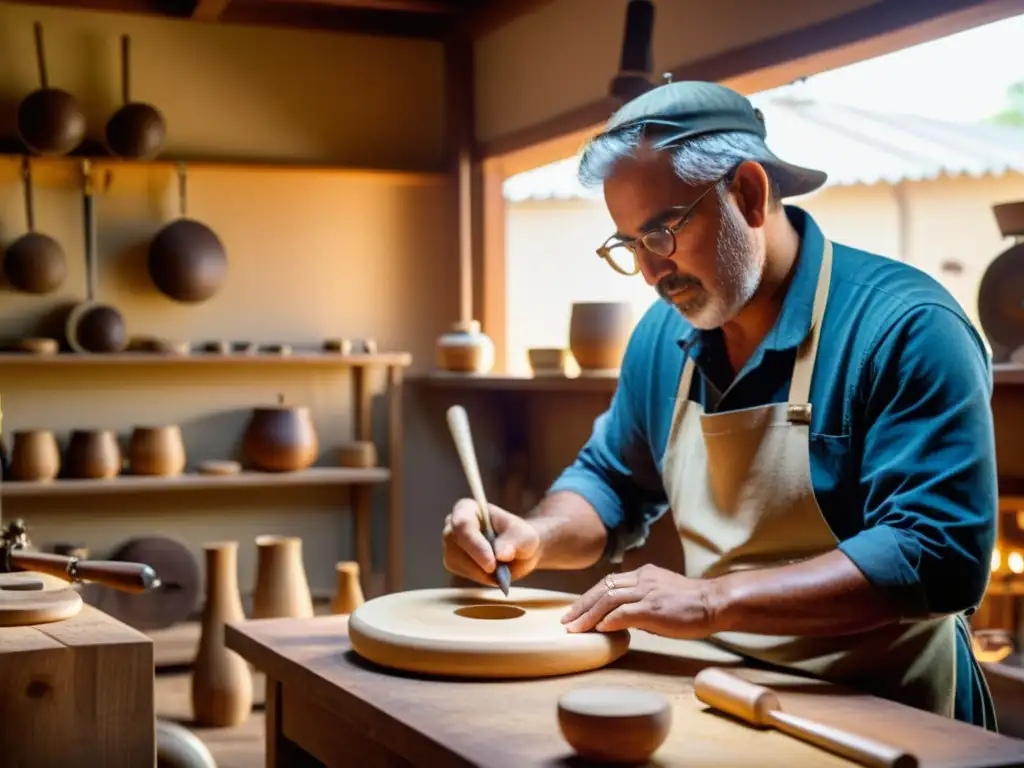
(598, 334)
(465, 349)
(92, 454)
(1010, 218)
(280, 438)
(221, 679)
(358, 454)
(349, 594)
(547, 362)
(35, 456)
(281, 586)
(157, 451)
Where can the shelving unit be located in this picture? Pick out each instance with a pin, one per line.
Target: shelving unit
(402, 359)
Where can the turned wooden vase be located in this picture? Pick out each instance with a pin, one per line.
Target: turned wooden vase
(598, 334)
(280, 438)
(157, 451)
(92, 454)
(349, 593)
(221, 679)
(282, 589)
(35, 456)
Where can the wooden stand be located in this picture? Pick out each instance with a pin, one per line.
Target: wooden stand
(77, 692)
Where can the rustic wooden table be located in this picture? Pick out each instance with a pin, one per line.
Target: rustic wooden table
(326, 706)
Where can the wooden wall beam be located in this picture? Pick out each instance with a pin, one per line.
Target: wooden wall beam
(882, 27)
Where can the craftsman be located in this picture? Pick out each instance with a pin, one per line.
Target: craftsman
(814, 419)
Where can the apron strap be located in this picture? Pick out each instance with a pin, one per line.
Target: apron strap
(800, 386)
(682, 398)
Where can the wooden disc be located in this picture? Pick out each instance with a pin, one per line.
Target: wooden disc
(479, 633)
(32, 598)
(178, 595)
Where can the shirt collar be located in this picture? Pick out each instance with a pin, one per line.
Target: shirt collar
(794, 321)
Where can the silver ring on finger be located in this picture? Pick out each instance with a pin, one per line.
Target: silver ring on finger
(610, 583)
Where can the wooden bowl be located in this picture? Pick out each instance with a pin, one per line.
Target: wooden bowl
(280, 438)
(35, 456)
(614, 724)
(37, 346)
(93, 454)
(547, 361)
(157, 451)
(358, 454)
(598, 334)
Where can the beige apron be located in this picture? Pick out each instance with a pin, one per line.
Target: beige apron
(739, 486)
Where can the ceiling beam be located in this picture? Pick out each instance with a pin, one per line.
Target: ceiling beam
(481, 19)
(209, 10)
(402, 6)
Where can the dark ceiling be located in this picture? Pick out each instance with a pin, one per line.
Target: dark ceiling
(407, 18)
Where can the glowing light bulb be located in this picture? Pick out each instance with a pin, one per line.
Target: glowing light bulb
(1015, 562)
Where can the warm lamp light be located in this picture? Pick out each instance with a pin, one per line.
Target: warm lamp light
(997, 559)
(1015, 562)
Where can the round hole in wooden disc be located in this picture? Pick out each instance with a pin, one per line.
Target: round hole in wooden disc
(491, 611)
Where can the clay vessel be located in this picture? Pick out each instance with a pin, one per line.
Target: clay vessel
(349, 594)
(547, 361)
(1010, 218)
(157, 451)
(465, 349)
(358, 454)
(614, 724)
(598, 334)
(221, 679)
(280, 438)
(281, 586)
(35, 456)
(92, 454)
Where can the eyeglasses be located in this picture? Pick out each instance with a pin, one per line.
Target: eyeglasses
(660, 241)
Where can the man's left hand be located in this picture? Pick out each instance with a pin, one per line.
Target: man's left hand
(650, 598)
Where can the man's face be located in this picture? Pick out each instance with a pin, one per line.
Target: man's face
(717, 263)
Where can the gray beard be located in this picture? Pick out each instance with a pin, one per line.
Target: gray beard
(738, 276)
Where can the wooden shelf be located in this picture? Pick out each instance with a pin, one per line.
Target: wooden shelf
(401, 359)
(601, 384)
(11, 150)
(134, 484)
(1007, 373)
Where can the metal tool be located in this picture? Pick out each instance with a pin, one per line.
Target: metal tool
(458, 422)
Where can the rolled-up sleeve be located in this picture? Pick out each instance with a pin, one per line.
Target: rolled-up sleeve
(615, 471)
(928, 472)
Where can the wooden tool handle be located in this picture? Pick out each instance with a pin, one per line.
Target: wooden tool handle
(760, 706)
(458, 423)
(125, 577)
(851, 746)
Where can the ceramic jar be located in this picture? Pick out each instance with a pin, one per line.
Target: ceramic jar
(349, 594)
(35, 456)
(92, 454)
(598, 334)
(465, 349)
(280, 438)
(157, 451)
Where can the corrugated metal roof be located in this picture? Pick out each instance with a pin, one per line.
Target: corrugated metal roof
(852, 145)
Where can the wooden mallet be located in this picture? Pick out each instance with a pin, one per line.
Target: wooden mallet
(760, 707)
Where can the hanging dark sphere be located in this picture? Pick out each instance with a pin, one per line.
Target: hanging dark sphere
(187, 261)
(35, 263)
(51, 122)
(136, 131)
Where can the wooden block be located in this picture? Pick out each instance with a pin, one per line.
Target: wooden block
(77, 692)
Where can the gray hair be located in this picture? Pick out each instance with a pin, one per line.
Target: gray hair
(697, 161)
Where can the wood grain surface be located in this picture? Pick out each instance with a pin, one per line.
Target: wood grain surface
(410, 720)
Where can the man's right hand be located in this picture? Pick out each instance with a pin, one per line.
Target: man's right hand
(467, 552)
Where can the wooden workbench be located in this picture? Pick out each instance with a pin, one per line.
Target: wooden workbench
(324, 701)
(77, 692)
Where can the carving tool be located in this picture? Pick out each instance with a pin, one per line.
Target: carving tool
(760, 706)
(458, 423)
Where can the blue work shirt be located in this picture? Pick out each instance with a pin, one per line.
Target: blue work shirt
(902, 447)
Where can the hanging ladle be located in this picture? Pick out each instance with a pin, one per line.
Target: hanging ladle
(50, 121)
(136, 131)
(92, 326)
(187, 261)
(34, 263)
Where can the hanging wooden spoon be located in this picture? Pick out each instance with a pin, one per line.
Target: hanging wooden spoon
(136, 131)
(34, 263)
(50, 121)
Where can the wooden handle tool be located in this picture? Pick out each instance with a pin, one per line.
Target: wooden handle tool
(126, 577)
(458, 422)
(760, 706)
